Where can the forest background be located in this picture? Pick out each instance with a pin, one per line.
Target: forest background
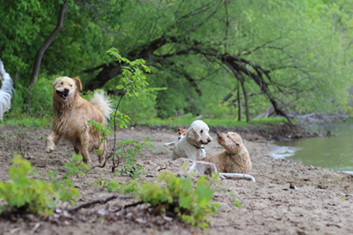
(214, 58)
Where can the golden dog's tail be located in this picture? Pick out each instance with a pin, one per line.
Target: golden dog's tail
(102, 103)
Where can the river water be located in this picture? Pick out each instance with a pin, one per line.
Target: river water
(334, 152)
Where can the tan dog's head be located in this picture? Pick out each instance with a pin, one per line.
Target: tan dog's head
(231, 142)
(181, 132)
(65, 87)
(198, 133)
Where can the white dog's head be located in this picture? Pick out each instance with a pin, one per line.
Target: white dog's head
(198, 133)
(65, 87)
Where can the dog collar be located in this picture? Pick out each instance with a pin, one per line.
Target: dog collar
(198, 147)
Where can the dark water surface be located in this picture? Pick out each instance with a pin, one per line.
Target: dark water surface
(334, 152)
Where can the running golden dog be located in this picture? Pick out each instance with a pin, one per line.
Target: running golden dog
(71, 114)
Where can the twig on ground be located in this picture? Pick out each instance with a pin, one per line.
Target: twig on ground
(129, 205)
(74, 209)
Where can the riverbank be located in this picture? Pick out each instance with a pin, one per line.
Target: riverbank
(287, 198)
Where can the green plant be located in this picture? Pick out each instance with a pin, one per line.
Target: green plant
(127, 151)
(132, 83)
(22, 193)
(64, 185)
(16, 142)
(181, 197)
(121, 187)
(103, 130)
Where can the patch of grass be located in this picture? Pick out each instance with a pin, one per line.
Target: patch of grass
(186, 120)
(27, 121)
(23, 192)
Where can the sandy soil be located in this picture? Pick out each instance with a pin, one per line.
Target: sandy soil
(287, 198)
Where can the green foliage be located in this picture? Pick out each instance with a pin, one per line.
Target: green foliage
(35, 101)
(21, 193)
(17, 142)
(39, 99)
(307, 56)
(180, 196)
(75, 167)
(133, 79)
(220, 111)
(64, 185)
(186, 120)
(26, 121)
(103, 130)
(121, 120)
(127, 151)
(145, 109)
(123, 188)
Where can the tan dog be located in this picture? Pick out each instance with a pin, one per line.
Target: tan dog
(71, 113)
(181, 133)
(235, 158)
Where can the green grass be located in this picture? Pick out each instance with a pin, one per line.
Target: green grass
(27, 121)
(182, 121)
(186, 120)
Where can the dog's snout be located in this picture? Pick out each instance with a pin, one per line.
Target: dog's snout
(209, 139)
(66, 91)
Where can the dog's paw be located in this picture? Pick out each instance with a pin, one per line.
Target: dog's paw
(102, 160)
(49, 149)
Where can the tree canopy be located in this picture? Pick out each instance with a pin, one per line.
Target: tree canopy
(215, 57)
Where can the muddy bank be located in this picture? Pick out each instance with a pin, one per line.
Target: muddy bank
(287, 198)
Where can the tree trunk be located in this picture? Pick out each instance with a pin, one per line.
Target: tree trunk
(108, 72)
(46, 44)
(239, 102)
(246, 104)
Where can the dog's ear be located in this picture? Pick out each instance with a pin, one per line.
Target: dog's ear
(192, 134)
(78, 83)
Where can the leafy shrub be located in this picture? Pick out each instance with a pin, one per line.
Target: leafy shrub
(40, 97)
(127, 151)
(181, 197)
(220, 111)
(176, 196)
(64, 186)
(22, 193)
(36, 101)
(121, 187)
(140, 107)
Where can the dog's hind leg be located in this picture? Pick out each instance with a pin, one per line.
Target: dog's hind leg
(52, 140)
(84, 145)
(77, 147)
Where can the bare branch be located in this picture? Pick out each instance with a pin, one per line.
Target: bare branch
(94, 202)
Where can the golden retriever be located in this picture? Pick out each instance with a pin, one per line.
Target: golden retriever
(71, 114)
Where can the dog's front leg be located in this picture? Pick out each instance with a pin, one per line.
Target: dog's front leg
(52, 139)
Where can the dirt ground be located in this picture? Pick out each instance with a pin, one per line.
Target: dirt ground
(287, 197)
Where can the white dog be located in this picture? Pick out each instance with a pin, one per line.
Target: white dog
(191, 145)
